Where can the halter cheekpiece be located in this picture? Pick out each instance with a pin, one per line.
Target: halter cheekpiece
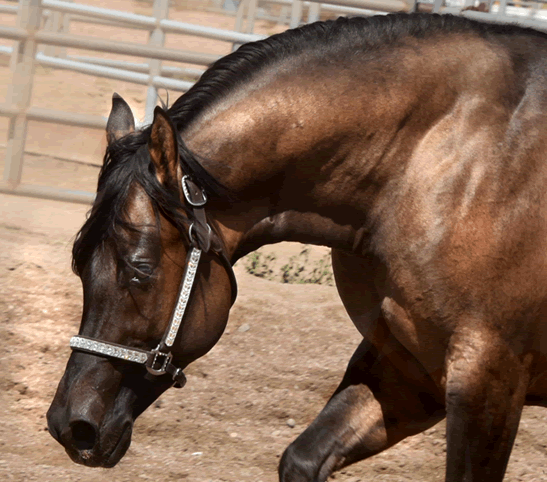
(160, 360)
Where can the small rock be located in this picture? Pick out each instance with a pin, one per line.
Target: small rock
(275, 433)
(243, 328)
(233, 435)
(291, 423)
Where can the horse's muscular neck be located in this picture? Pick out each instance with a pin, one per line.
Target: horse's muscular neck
(299, 151)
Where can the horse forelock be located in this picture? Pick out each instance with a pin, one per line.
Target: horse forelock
(126, 163)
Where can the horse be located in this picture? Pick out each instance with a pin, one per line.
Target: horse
(412, 145)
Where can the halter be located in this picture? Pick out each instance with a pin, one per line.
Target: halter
(202, 239)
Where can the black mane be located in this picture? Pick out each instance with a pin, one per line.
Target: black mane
(340, 37)
(123, 166)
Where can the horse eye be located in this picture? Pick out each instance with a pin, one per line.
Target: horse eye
(142, 273)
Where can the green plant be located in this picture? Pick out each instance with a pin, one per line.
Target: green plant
(298, 270)
(259, 265)
(322, 273)
(293, 271)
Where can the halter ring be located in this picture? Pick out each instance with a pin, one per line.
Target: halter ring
(192, 227)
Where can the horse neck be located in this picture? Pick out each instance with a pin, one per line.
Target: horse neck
(311, 160)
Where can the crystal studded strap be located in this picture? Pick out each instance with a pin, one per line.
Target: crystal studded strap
(156, 362)
(184, 295)
(89, 345)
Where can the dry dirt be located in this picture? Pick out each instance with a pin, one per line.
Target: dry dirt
(229, 423)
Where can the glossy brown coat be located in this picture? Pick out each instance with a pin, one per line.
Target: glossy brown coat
(420, 159)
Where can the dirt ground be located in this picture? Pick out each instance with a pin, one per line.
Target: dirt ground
(283, 354)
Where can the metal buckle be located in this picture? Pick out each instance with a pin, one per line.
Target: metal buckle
(159, 363)
(192, 227)
(186, 191)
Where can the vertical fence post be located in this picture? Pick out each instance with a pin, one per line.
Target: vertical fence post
(20, 90)
(157, 39)
(251, 16)
(53, 23)
(239, 22)
(502, 8)
(296, 13)
(314, 12)
(240, 14)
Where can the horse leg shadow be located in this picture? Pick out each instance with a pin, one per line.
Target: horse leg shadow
(384, 397)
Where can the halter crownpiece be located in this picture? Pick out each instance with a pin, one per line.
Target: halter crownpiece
(159, 361)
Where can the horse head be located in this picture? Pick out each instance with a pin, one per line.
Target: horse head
(148, 219)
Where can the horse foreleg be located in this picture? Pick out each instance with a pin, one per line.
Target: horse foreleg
(384, 397)
(485, 390)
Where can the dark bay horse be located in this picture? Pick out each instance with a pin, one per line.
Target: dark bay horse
(413, 145)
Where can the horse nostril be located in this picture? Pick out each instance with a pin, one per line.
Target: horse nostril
(84, 435)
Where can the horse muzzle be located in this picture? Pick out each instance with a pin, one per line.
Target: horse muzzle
(89, 437)
(91, 415)
(88, 445)
(96, 405)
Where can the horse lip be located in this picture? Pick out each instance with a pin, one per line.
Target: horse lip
(120, 448)
(84, 457)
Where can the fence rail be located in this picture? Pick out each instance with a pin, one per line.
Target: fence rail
(29, 34)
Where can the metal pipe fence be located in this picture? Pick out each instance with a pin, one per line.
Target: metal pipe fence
(25, 56)
(293, 13)
(31, 32)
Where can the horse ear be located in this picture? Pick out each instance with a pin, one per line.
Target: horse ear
(120, 121)
(163, 146)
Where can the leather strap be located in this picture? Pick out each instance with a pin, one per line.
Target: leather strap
(202, 238)
(156, 362)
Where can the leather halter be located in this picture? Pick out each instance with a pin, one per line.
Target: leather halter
(202, 239)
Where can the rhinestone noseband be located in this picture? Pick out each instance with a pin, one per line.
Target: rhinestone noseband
(159, 361)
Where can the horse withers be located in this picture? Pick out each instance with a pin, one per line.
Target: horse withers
(415, 147)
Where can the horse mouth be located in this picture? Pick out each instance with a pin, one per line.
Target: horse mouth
(121, 447)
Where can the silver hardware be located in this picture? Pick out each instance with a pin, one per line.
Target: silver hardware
(186, 191)
(209, 231)
(161, 359)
